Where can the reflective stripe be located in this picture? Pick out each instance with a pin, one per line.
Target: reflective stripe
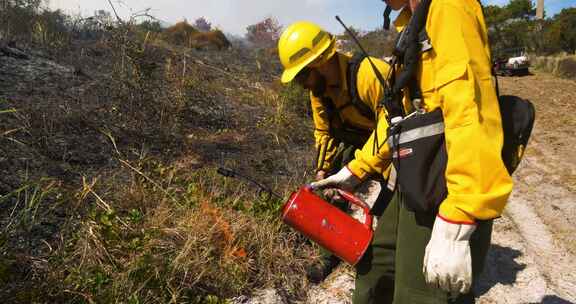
(392, 179)
(414, 134)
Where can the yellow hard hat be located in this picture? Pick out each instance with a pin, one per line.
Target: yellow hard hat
(301, 44)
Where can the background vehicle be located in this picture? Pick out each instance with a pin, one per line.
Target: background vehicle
(512, 61)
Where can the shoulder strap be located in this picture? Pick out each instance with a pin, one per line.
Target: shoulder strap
(411, 46)
(352, 78)
(411, 41)
(328, 105)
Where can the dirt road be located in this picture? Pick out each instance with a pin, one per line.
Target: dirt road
(534, 246)
(533, 254)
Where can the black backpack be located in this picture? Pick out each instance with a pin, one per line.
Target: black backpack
(518, 117)
(352, 80)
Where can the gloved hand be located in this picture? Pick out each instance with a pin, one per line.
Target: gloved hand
(320, 175)
(343, 179)
(447, 261)
(330, 194)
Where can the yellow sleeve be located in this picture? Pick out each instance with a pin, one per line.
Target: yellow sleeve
(477, 180)
(326, 145)
(373, 158)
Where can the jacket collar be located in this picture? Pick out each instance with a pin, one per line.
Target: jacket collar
(343, 60)
(403, 18)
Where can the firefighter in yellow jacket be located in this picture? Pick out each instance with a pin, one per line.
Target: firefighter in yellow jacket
(439, 255)
(343, 91)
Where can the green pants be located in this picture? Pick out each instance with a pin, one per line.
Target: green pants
(391, 269)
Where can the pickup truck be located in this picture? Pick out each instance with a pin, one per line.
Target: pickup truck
(512, 62)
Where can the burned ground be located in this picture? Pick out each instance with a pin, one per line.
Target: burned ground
(88, 139)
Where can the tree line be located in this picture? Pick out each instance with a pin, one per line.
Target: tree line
(515, 25)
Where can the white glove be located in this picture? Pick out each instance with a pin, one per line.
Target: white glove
(344, 180)
(447, 261)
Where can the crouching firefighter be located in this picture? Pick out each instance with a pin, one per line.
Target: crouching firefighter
(344, 96)
(443, 133)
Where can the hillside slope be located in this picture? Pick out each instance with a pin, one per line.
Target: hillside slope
(108, 184)
(108, 189)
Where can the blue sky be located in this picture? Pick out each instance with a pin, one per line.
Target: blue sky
(233, 16)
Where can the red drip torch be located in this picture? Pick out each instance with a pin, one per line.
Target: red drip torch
(320, 221)
(328, 226)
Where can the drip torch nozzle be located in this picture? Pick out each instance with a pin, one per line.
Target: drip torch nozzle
(263, 192)
(226, 172)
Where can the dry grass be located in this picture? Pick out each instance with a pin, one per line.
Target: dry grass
(563, 66)
(131, 210)
(182, 243)
(212, 39)
(179, 34)
(184, 34)
(290, 105)
(567, 67)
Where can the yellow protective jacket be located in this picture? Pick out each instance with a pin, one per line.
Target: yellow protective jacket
(456, 77)
(334, 110)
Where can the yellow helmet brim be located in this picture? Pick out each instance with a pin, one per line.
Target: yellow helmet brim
(289, 74)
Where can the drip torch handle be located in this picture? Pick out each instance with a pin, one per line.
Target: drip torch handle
(358, 202)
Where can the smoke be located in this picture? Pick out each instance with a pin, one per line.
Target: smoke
(241, 13)
(233, 16)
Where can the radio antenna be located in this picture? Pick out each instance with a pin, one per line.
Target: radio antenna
(376, 71)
